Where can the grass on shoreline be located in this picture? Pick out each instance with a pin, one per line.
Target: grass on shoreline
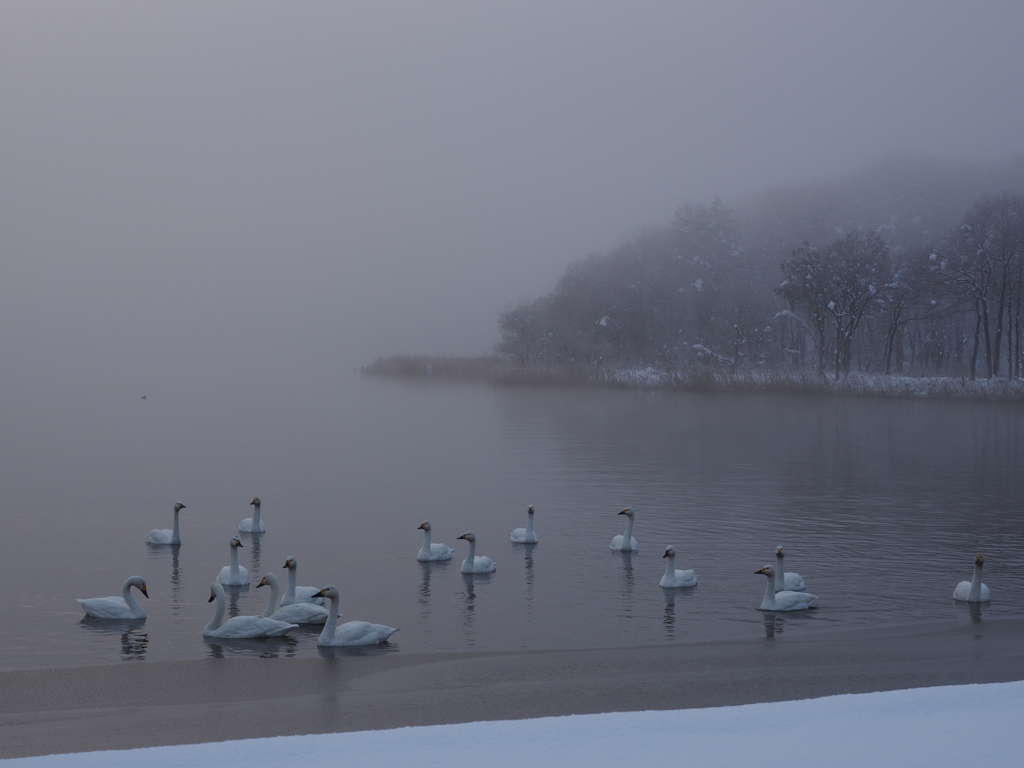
(495, 370)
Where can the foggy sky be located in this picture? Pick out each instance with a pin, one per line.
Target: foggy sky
(209, 190)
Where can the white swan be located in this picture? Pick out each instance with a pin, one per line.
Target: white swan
(783, 601)
(234, 575)
(973, 591)
(430, 552)
(114, 607)
(476, 563)
(786, 582)
(351, 632)
(165, 536)
(253, 524)
(525, 535)
(626, 542)
(294, 594)
(239, 627)
(296, 613)
(674, 578)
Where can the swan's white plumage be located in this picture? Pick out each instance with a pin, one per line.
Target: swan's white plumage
(234, 575)
(114, 607)
(430, 552)
(673, 578)
(351, 632)
(525, 535)
(625, 542)
(973, 591)
(786, 582)
(295, 613)
(783, 601)
(241, 627)
(167, 535)
(253, 524)
(294, 594)
(475, 563)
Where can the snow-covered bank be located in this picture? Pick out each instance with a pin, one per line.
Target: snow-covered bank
(934, 727)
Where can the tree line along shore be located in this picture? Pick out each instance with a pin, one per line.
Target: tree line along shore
(905, 279)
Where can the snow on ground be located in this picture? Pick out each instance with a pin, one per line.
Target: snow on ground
(933, 727)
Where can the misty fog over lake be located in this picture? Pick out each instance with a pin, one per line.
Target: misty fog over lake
(212, 214)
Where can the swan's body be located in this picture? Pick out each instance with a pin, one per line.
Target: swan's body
(973, 591)
(239, 627)
(165, 535)
(114, 607)
(294, 594)
(253, 524)
(234, 575)
(525, 535)
(626, 542)
(475, 563)
(351, 632)
(786, 582)
(783, 601)
(430, 552)
(296, 613)
(673, 578)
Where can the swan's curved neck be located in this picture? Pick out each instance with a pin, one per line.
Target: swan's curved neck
(768, 604)
(780, 572)
(256, 517)
(275, 595)
(290, 589)
(975, 596)
(627, 537)
(471, 557)
(332, 621)
(175, 534)
(529, 525)
(670, 566)
(426, 541)
(234, 562)
(129, 598)
(218, 614)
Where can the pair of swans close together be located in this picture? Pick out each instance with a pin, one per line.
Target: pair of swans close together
(432, 552)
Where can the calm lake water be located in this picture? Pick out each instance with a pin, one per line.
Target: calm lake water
(880, 505)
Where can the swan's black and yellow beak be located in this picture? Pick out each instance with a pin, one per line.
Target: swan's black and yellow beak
(212, 598)
(667, 553)
(421, 526)
(142, 589)
(461, 537)
(623, 512)
(320, 593)
(285, 564)
(761, 571)
(263, 583)
(238, 543)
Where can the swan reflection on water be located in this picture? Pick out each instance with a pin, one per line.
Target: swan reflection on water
(773, 624)
(255, 550)
(628, 581)
(669, 618)
(528, 559)
(233, 594)
(426, 570)
(134, 640)
(160, 554)
(342, 651)
(469, 602)
(264, 648)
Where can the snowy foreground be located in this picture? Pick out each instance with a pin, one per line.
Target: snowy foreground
(934, 727)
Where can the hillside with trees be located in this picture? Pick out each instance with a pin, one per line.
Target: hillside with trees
(908, 267)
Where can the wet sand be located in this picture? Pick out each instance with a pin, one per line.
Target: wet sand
(139, 704)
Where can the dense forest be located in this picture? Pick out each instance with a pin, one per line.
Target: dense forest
(908, 267)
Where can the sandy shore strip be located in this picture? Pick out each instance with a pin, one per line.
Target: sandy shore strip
(44, 711)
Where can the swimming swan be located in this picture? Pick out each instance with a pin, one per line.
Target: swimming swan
(123, 607)
(786, 582)
(783, 601)
(674, 578)
(351, 632)
(431, 552)
(239, 627)
(476, 563)
(626, 542)
(294, 594)
(165, 536)
(973, 591)
(525, 535)
(253, 524)
(234, 575)
(296, 613)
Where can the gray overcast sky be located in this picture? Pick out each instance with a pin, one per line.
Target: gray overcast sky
(202, 187)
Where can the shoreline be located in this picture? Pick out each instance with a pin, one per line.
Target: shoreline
(129, 705)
